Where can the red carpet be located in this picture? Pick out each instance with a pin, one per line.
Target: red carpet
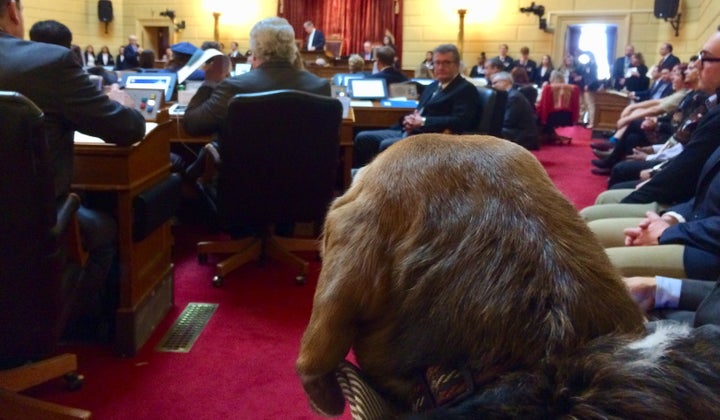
(242, 366)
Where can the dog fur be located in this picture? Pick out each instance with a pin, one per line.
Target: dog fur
(673, 373)
(454, 251)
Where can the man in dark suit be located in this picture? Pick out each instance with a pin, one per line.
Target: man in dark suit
(620, 67)
(660, 88)
(132, 53)
(315, 40)
(667, 59)
(273, 55)
(449, 103)
(519, 122)
(386, 67)
(525, 62)
(56, 82)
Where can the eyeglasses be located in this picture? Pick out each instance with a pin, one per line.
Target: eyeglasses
(443, 63)
(703, 58)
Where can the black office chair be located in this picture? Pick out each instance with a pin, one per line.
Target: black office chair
(277, 162)
(37, 286)
(492, 111)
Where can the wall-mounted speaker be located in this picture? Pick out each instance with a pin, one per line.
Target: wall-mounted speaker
(105, 11)
(666, 9)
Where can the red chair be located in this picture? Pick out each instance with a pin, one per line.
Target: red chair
(559, 107)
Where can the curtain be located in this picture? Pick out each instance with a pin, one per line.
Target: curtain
(356, 21)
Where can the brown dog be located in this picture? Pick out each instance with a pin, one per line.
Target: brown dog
(454, 252)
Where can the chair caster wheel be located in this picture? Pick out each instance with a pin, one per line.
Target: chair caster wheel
(202, 258)
(300, 279)
(74, 381)
(217, 281)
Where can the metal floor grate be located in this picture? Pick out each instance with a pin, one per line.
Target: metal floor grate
(187, 328)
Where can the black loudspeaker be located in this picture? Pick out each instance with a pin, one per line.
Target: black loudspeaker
(666, 8)
(105, 13)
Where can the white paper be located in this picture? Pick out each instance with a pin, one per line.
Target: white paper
(198, 59)
(84, 138)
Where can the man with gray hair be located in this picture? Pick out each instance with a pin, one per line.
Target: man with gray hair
(519, 123)
(449, 103)
(272, 42)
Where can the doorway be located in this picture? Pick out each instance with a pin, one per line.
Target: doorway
(157, 38)
(597, 38)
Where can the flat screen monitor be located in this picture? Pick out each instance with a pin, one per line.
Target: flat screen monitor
(368, 89)
(346, 78)
(242, 68)
(164, 81)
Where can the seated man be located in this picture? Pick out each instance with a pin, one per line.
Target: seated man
(519, 123)
(386, 67)
(55, 81)
(272, 42)
(684, 241)
(449, 103)
(677, 181)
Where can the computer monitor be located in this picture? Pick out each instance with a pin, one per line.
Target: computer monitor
(164, 81)
(346, 78)
(368, 89)
(242, 68)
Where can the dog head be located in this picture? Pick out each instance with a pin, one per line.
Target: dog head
(454, 251)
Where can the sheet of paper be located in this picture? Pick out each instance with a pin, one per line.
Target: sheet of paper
(197, 60)
(84, 138)
(361, 103)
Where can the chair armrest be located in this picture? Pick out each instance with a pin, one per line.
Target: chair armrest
(65, 214)
(212, 162)
(67, 228)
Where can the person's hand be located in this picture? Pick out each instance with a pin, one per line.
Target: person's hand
(412, 122)
(637, 154)
(649, 230)
(645, 175)
(218, 69)
(642, 290)
(649, 124)
(118, 95)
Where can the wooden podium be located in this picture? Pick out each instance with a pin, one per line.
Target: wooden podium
(608, 106)
(146, 276)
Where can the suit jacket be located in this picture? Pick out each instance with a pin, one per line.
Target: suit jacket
(207, 110)
(530, 67)
(677, 181)
(665, 89)
(669, 62)
(318, 41)
(541, 78)
(455, 108)
(390, 74)
(70, 101)
(618, 72)
(100, 59)
(519, 123)
(640, 82)
(507, 62)
(701, 232)
(132, 55)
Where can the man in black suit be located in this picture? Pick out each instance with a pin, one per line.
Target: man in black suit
(519, 122)
(620, 67)
(525, 62)
(660, 88)
(449, 103)
(386, 67)
(273, 55)
(55, 81)
(315, 40)
(667, 59)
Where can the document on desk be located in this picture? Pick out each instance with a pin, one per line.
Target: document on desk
(357, 104)
(86, 139)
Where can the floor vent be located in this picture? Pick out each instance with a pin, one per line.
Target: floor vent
(187, 328)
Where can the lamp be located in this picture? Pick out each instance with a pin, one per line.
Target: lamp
(216, 31)
(461, 30)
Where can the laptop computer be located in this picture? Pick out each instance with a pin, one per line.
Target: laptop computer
(368, 89)
(164, 81)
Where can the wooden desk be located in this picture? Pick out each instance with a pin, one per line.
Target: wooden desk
(608, 107)
(146, 277)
